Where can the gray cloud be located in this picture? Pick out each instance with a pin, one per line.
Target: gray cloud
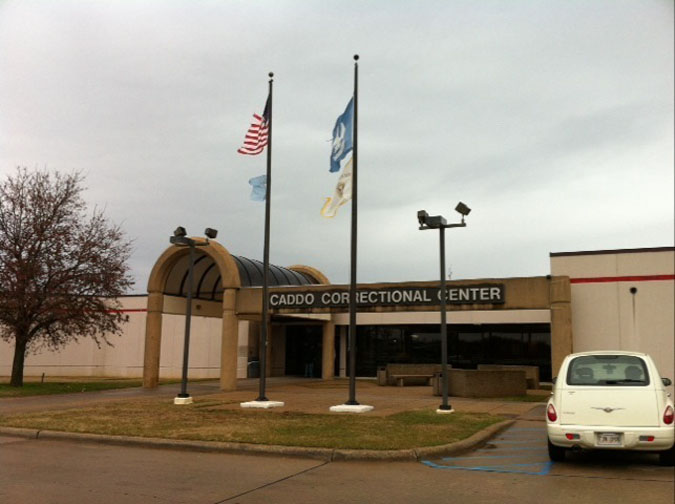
(553, 120)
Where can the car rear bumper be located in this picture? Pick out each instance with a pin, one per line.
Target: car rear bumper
(630, 438)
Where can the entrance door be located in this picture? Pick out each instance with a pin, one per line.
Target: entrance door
(303, 350)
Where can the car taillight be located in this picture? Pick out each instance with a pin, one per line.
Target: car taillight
(668, 415)
(553, 416)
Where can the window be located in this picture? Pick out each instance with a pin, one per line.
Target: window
(468, 346)
(619, 370)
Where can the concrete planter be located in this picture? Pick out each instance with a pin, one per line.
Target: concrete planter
(482, 383)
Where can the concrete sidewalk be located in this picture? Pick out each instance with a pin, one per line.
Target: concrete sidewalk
(298, 394)
(315, 396)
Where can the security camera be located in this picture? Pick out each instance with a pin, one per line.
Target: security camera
(211, 233)
(463, 209)
(422, 216)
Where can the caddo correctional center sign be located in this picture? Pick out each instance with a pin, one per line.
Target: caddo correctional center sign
(389, 296)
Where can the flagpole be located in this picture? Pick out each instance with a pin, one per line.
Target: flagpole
(352, 287)
(352, 405)
(266, 256)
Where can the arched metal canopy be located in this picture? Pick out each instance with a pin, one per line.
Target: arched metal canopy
(207, 284)
(251, 274)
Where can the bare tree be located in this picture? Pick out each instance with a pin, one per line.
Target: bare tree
(62, 268)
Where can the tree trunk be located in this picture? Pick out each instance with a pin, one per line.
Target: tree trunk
(17, 365)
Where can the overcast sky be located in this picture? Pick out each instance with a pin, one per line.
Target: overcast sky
(553, 120)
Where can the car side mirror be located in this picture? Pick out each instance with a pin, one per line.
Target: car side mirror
(554, 379)
(667, 382)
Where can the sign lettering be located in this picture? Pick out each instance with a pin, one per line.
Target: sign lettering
(390, 296)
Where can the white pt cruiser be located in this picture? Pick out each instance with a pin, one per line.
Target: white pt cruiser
(610, 401)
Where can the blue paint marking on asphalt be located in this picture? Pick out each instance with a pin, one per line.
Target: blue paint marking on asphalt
(497, 469)
(521, 446)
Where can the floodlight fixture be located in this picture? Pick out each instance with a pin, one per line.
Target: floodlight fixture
(211, 233)
(180, 240)
(462, 209)
(180, 232)
(427, 221)
(436, 221)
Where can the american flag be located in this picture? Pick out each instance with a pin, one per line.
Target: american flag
(256, 136)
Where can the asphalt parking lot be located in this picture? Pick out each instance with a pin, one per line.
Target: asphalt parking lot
(511, 467)
(521, 449)
(62, 472)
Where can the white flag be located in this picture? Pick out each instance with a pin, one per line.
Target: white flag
(342, 194)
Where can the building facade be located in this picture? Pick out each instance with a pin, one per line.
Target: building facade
(621, 299)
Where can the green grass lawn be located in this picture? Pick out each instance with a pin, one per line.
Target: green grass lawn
(47, 388)
(212, 419)
(32, 388)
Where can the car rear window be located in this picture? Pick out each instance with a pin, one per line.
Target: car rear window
(618, 370)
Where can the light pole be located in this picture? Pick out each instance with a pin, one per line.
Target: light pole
(180, 239)
(438, 222)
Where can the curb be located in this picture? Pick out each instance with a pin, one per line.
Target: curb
(465, 444)
(19, 432)
(325, 454)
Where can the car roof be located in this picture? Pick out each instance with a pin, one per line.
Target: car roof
(608, 352)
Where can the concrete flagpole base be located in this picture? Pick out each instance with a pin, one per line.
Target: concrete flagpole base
(351, 408)
(445, 411)
(262, 404)
(182, 400)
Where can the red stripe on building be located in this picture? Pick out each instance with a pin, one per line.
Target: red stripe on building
(637, 278)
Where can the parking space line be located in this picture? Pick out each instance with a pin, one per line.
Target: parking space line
(518, 450)
(505, 469)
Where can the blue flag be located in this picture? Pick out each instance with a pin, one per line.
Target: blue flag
(343, 134)
(259, 185)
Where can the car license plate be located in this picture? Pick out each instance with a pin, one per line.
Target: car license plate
(609, 439)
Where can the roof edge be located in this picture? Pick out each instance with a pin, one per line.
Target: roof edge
(611, 252)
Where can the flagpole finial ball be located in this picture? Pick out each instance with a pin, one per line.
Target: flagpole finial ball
(356, 57)
(271, 74)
